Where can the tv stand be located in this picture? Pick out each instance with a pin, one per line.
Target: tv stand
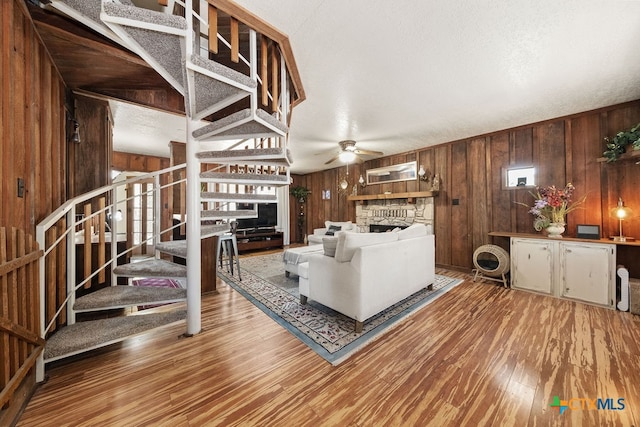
(253, 239)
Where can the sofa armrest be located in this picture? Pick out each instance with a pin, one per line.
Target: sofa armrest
(319, 231)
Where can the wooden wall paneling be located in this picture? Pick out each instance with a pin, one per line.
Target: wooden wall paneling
(10, 140)
(93, 154)
(31, 121)
(480, 211)
(501, 198)
(4, 102)
(459, 190)
(443, 220)
(551, 154)
(20, 136)
(585, 169)
(621, 176)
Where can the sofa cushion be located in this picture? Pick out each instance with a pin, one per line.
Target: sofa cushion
(329, 244)
(413, 231)
(332, 230)
(345, 225)
(348, 242)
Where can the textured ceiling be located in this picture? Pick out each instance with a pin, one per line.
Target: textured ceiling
(398, 76)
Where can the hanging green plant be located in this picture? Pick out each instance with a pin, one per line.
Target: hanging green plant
(617, 145)
(300, 193)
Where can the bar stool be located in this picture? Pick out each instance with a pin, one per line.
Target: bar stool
(227, 243)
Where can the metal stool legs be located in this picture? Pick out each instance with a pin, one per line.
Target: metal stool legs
(228, 244)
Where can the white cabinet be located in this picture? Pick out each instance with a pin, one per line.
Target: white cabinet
(532, 265)
(583, 271)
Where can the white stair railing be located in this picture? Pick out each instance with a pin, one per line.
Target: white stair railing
(63, 231)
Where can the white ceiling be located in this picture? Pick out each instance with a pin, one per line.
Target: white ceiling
(399, 76)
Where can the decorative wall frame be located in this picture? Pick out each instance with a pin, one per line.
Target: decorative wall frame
(401, 172)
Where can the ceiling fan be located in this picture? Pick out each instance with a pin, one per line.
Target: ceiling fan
(349, 152)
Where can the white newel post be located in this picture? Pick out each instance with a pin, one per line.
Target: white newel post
(194, 285)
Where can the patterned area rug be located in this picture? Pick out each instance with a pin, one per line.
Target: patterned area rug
(327, 332)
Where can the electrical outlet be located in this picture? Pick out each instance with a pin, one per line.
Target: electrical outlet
(455, 202)
(20, 187)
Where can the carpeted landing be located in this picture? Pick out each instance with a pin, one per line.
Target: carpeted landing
(329, 333)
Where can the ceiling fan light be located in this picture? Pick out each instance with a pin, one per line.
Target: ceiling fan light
(347, 156)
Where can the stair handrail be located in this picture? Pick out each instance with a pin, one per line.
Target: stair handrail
(67, 216)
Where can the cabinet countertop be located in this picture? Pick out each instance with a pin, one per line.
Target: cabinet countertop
(564, 238)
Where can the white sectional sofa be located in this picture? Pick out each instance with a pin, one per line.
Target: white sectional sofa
(320, 233)
(370, 271)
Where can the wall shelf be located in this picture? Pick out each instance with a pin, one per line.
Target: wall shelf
(629, 155)
(390, 196)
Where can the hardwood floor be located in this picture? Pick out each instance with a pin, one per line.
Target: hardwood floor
(479, 355)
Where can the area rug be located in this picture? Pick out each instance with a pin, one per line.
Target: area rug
(329, 333)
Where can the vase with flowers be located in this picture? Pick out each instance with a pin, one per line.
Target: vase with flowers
(551, 206)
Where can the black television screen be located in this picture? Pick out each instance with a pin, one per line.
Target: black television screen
(268, 215)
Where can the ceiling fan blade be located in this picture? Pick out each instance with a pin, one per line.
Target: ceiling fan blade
(332, 159)
(368, 152)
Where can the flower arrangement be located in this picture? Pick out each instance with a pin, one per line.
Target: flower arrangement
(552, 205)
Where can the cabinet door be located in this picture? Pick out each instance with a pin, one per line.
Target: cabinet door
(586, 272)
(532, 265)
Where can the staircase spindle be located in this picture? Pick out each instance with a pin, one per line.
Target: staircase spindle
(213, 29)
(102, 248)
(264, 69)
(275, 66)
(87, 245)
(235, 39)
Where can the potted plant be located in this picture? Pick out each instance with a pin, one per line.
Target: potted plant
(617, 145)
(300, 193)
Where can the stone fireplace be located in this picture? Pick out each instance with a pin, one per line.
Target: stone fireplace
(395, 212)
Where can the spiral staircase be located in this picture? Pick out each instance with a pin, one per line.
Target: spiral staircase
(220, 171)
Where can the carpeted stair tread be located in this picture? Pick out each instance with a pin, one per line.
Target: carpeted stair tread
(173, 247)
(254, 156)
(85, 11)
(126, 296)
(84, 336)
(215, 86)
(229, 214)
(151, 268)
(242, 124)
(159, 48)
(244, 178)
(138, 14)
(237, 197)
(208, 230)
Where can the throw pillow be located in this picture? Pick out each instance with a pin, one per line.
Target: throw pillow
(329, 245)
(413, 231)
(332, 230)
(345, 225)
(348, 242)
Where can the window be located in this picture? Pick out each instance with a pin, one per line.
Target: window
(518, 177)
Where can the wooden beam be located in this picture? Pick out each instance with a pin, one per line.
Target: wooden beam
(213, 29)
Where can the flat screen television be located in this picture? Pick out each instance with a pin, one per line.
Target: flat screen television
(267, 216)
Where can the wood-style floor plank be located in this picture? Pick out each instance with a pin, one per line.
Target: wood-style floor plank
(479, 355)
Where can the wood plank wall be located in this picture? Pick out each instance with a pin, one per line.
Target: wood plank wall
(90, 160)
(563, 150)
(32, 140)
(32, 123)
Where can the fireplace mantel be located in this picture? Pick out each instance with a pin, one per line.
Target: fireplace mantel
(389, 196)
